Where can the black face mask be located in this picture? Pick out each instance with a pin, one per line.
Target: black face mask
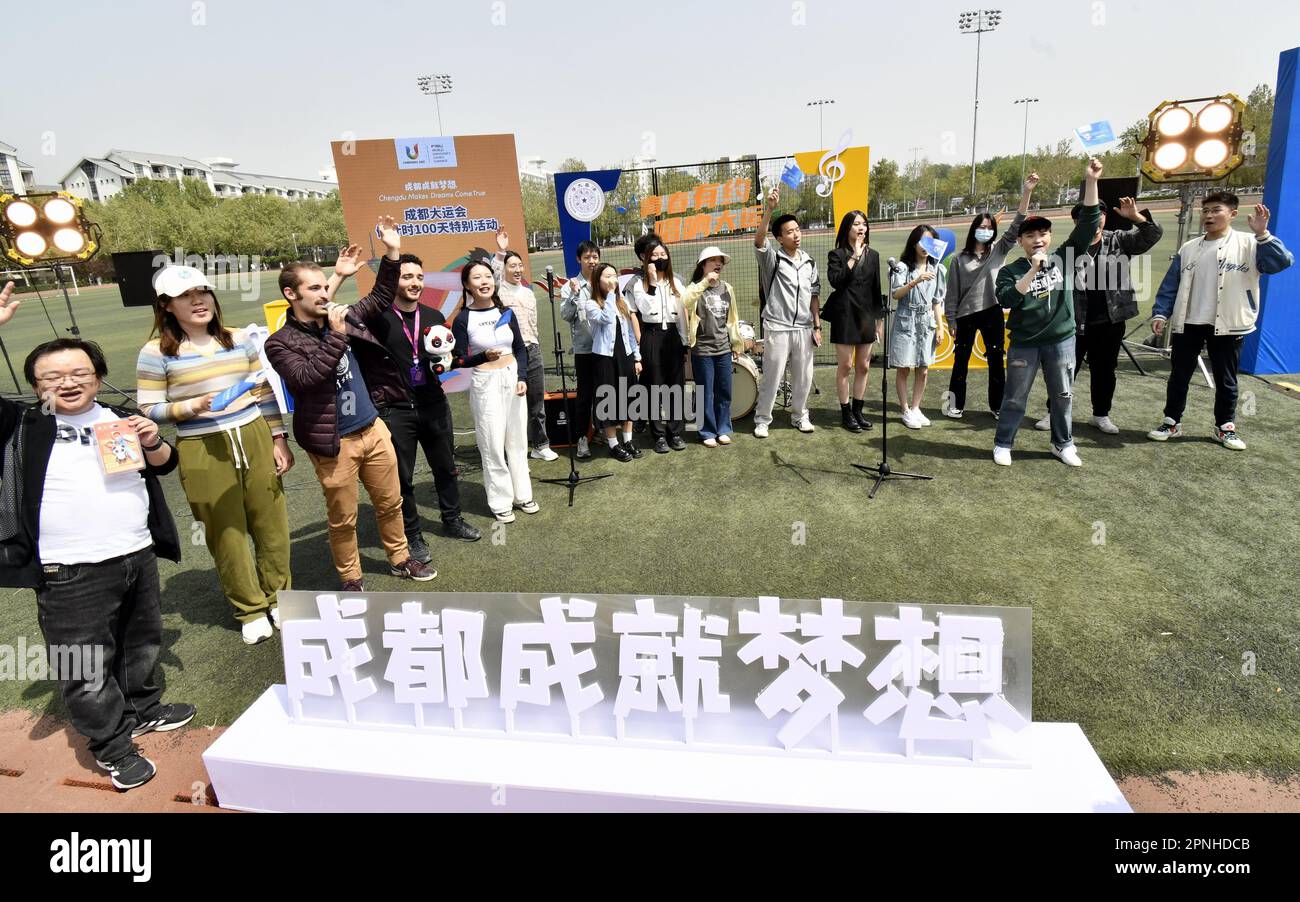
(660, 265)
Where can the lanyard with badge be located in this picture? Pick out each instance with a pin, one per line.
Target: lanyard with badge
(417, 373)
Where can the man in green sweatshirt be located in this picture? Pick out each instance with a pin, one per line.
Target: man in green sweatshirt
(1039, 290)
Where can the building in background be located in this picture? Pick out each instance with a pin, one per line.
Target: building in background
(16, 177)
(533, 171)
(99, 178)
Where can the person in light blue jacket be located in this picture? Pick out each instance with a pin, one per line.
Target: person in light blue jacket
(1210, 297)
(618, 359)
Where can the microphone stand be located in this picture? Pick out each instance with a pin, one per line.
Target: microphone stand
(574, 479)
(882, 470)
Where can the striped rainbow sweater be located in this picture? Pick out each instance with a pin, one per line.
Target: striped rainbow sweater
(165, 386)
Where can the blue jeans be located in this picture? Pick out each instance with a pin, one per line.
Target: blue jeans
(1057, 361)
(713, 379)
(114, 605)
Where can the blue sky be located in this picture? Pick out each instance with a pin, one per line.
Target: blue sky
(271, 84)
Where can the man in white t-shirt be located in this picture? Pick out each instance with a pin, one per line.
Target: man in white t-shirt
(84, 533)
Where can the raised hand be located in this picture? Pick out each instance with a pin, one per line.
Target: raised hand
(1093, 172)
(1032, 181)
(1258, 222)
(387, 229)
(1128, 208)
(8, 303)
(503, 240)
(774, 195)
(349, 261)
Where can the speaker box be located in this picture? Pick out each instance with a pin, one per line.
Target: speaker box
(135, 271)
(557, 417)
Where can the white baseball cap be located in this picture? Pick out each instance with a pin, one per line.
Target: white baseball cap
(713, 251)
(174, 281)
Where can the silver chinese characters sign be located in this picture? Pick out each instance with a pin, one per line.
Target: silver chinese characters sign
(907, 682)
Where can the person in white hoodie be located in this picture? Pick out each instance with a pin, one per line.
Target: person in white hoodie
(1210, 298)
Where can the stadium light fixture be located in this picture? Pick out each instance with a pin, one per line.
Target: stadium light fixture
(1194, 140)
(45, 229)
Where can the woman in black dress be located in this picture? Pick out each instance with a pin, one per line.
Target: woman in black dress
(854, 309)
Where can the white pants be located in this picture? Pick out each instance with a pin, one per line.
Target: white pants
(778, 348)
(501, 428)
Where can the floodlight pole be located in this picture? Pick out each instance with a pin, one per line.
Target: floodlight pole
(983, 20)
(1024, 147)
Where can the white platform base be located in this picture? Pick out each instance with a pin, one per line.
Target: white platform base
(265, 762)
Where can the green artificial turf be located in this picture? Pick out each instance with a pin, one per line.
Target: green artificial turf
(1140, 639)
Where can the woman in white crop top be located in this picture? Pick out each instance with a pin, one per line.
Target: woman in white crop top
(488, 340)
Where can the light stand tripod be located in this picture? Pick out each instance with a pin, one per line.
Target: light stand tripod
(574, 479)
(882, 470)
(76, 333)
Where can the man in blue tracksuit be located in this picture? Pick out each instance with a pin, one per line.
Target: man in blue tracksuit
(1210, 298)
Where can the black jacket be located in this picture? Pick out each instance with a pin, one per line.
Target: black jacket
(20, 559)
(389, 329)
(857, 297)
(1117, 248)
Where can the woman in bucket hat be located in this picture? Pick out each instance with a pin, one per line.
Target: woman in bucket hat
(232, 450)
(713, 338)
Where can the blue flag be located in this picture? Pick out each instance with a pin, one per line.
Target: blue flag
(1095, 134)
(792, 175)
(935, 247)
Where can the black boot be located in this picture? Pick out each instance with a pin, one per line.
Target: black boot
(857, 414)
(847, 420)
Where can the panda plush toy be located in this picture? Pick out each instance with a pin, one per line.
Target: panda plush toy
(439, 343)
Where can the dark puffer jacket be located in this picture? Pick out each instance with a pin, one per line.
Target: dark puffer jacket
(307, 356)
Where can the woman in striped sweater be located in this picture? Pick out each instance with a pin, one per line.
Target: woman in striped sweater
(231, 458)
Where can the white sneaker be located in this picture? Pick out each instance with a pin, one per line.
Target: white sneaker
(1002, 456)
(1105, 425)
(256, 631)
(724, 440)
(1227, 436)
(1069, 455)
(1045, 424)
(584, 452)
(275, 617)
(528, 507)
(920, 417)
(710, 443)
(910, 420)
(760, 431)
(543, 454)
(803, 424)
(506, 517)
(954, 413)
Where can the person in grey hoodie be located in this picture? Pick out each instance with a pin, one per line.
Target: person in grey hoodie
(971, 306)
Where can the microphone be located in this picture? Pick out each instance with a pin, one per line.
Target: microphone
(892, 264)
(550, 269)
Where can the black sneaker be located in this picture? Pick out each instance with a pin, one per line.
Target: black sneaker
(413, 569)
(419, 548)
(170, 717)
(459, 529)
(620, 453)
(676, 443)
(631, 448)
(130, 771)
(661, 446)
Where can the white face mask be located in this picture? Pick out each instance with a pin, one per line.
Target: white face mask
(983, 236)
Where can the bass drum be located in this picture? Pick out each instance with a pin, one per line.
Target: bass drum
(744, 387)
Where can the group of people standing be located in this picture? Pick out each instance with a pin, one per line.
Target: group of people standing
(368, 396)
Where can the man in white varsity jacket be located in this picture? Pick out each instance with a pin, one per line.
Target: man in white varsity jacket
(1210, 298)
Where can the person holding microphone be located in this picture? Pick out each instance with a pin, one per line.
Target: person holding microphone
(1039, 289)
